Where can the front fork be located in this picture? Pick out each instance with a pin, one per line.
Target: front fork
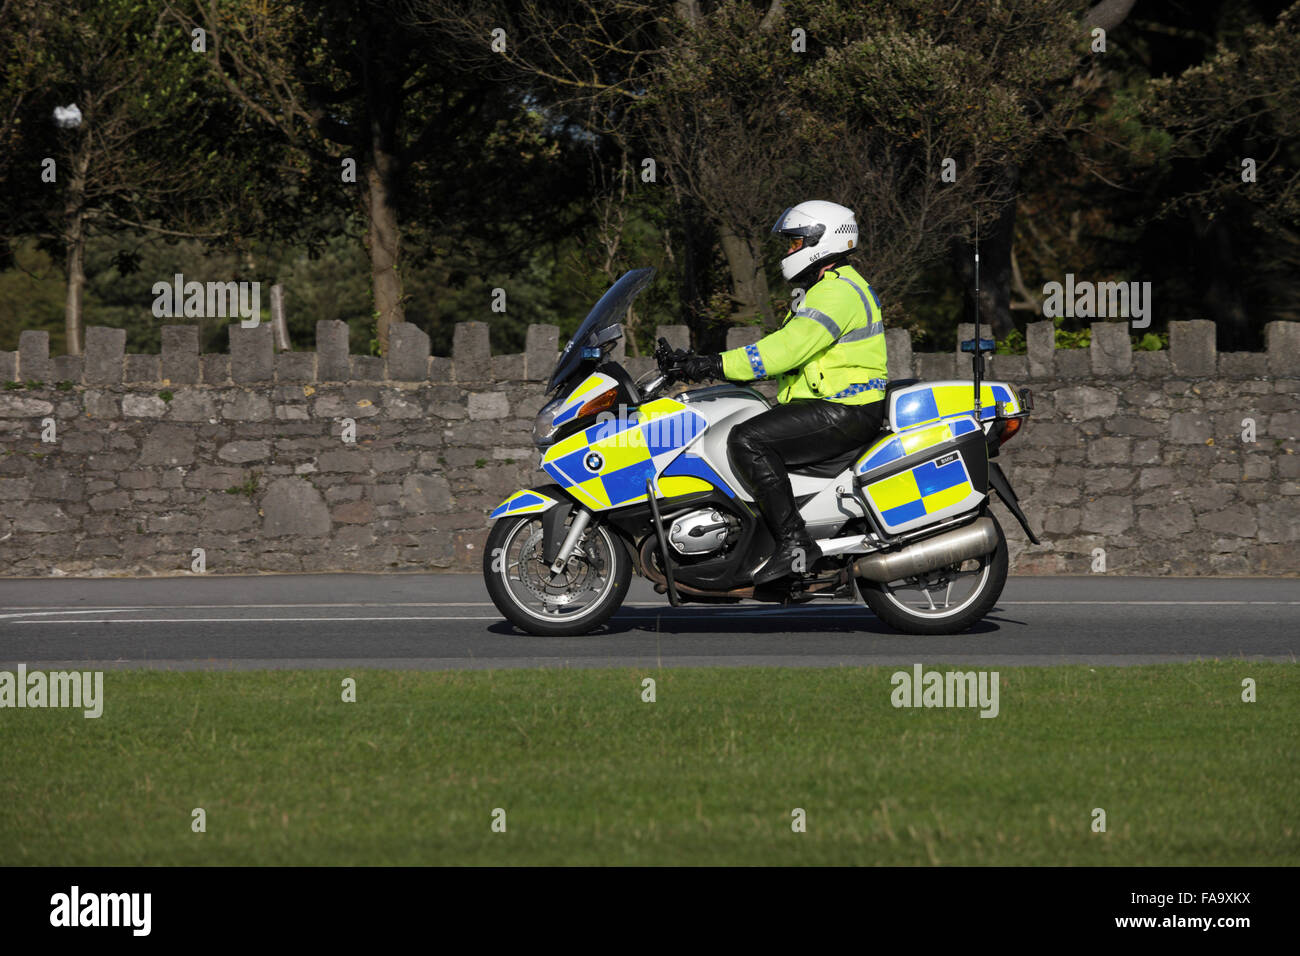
(575, 533)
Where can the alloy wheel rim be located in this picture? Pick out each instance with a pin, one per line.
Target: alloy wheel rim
(528, 581)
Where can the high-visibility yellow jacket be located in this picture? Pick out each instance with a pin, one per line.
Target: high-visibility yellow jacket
(832, 346)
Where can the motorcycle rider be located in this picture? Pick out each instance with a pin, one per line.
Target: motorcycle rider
(830, 355)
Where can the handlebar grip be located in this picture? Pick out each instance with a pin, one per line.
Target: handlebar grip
(664, 356)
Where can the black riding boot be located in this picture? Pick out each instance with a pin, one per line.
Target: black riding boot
(800, 432)
(795, 550)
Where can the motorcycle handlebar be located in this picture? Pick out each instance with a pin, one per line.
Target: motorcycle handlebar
(666, 359)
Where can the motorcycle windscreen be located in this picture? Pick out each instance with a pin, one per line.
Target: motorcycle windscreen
(607, 465)
(605, 314)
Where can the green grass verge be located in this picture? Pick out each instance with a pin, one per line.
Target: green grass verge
(708, 774)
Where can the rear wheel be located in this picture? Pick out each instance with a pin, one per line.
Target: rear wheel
(577, 600)
(946, 601)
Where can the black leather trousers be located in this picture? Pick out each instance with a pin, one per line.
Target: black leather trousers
(801, 432)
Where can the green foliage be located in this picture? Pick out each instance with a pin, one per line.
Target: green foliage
(1150, 342)
(166, 395)
(32, 297)
(152, 156)
(1013, 344)
(248, 488)
(523, 185)
(1071, 339)
(1243, 98)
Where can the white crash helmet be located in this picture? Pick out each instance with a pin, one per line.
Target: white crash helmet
(827, 229)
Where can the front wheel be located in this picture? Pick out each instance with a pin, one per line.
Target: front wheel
(947, 601)
(583, 596)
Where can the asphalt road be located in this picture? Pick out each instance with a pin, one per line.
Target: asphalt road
(446, 621)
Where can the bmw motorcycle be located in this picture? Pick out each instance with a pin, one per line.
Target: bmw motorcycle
(642, 484)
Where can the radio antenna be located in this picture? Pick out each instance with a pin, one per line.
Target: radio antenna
(978, 357)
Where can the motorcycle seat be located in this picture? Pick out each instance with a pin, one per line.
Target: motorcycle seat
(831, 467)
(828, 468)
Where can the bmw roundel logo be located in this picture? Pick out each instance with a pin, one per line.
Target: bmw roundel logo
(594, 462)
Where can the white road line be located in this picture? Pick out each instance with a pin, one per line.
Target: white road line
(746, 611)
(719, 616)
(254, 620)
(331, 620)
(94, 610)
(44, 609)
(1144, 603)
(47, 610)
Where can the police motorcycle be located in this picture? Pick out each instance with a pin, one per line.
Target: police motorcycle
(642, 484)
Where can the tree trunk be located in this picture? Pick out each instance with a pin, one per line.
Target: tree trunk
(76, 256)
(383, 241)
(748, 280)
(1218, 284)
(74, 240)
(279, 326)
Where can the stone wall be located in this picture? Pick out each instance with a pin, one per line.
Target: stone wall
(240, 454)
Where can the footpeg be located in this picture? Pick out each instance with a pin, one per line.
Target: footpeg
(791, 559)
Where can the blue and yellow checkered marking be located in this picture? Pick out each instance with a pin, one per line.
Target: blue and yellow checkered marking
(911, 441)
(922, 404)
(523, 502)
(688, 465)
(633, 448)
(591, 386)
(920, 491)
(755, 361)
(874, 385)
(565, 414)
(881, 453)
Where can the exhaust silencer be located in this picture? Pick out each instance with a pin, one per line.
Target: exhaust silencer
(970, 541)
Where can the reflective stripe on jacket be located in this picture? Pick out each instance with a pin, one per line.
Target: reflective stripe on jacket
(832, 346)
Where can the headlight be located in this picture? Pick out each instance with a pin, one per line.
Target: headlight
(544, 426)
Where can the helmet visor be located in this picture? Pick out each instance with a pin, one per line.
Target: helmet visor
(809, 233)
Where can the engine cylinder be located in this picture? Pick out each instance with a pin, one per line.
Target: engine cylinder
(698, 532)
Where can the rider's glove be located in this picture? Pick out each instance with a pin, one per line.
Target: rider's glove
(698, 368)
